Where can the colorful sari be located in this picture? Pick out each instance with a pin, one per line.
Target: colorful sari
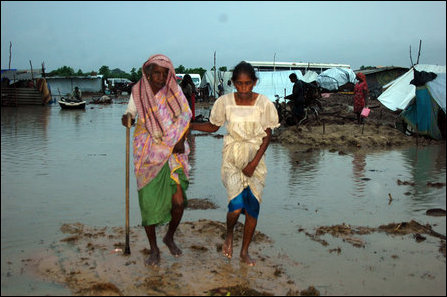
(163, 120)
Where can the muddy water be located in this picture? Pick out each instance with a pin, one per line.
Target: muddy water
(62, 166)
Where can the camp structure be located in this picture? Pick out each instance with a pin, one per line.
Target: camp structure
(301, 66)
(270, 83)
(221, 76)
(274, 84)
(423, 107)
(24, 87)
(378, 77)
(62, 85)
(337, 79)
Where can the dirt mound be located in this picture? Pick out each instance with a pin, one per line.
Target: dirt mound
(338, 128)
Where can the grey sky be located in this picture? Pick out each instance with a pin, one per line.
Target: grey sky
(87, 35)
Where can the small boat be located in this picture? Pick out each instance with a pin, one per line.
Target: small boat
(71, 104)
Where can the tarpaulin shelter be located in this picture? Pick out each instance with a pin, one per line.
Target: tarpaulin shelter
(271, 83)
(400, 92)
(208, 80)
(425, 114)
(332, 79)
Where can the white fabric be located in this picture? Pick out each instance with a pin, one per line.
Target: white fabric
(131, 107)
(271, 83)
(401, 92)
(332, 79)
(246, 127)
(437, 89)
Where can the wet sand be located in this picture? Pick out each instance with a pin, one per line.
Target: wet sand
(90, 261)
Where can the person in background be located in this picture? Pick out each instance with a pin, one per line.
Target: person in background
(189, 90)
(249, 119)
(160, 150)
(297, 97)
(360, 95)
(77, 94)
(220, 88)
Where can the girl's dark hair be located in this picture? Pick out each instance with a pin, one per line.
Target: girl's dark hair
(244, 67)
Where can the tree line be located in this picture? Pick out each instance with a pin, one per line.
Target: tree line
(134, 74)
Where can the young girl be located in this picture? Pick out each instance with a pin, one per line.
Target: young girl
(250, 118)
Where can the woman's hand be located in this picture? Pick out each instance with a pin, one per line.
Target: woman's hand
(125, 122)
(179, 147)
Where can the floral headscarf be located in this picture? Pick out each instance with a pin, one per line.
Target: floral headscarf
(148, 108)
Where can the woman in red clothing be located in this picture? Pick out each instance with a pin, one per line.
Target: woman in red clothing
(360, 94)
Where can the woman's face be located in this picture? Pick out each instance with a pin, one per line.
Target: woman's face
(157, 77)
(244, 84)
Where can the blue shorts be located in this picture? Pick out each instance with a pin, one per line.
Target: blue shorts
(245, 201)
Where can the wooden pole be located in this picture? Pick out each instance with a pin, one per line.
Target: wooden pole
(419, 52)
(127, 247)
(10, 46)
(411, 58)
(215, 75)
(32, 74)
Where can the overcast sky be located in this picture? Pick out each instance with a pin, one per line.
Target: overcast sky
(123, 34)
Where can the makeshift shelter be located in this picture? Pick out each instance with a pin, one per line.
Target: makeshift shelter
(378, 77)
(208, 81)
(272, 83)
(425, 114)
(400, 92)
(332, 79)
(63, 85)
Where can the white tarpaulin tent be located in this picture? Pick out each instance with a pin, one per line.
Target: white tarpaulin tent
(273, 83)
(270, 83)
(208, 78)
(333, 78)
(400, 92)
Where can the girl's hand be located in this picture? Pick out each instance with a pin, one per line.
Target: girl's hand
(249, 169)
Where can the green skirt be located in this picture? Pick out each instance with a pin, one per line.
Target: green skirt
(155, 198)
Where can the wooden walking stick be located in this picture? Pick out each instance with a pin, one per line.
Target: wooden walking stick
(127, 248)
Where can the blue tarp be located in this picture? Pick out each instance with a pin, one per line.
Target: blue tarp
(422, 114)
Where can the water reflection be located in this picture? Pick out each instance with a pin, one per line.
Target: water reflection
(358, 168)
(425, 164)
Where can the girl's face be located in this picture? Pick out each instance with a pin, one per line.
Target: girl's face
(244, 84)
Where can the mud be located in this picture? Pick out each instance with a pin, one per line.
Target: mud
(90, 261)
(350, 234)
(337, 128)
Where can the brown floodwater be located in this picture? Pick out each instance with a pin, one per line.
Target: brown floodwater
(65, 166)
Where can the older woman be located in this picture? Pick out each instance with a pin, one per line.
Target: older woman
(160, 150)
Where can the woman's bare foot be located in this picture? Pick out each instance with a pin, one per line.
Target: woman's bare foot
(154, 258)
(245, 258)
(227, 248)
(173, 248)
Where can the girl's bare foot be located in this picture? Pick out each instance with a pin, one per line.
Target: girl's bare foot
(154, 258)
(227, 248)
(173, 248)
(245, 258)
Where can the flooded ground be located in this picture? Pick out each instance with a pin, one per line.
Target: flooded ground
(334, 220)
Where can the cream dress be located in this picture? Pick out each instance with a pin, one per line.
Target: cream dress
(246, 127)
